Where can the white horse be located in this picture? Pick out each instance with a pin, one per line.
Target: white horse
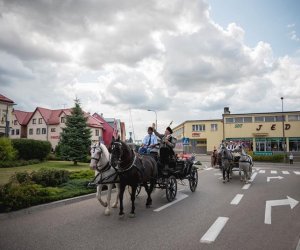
(245, 165)
(104, 174)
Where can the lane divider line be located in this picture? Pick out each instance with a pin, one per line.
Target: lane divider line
(297, 172)
(285, 172)
(262, 171)
(236, 200)
(180, 196)
(215, 229)
(273, 171)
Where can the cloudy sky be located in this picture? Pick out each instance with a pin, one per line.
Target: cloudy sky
(183, 59)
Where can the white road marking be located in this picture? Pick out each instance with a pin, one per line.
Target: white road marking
(180, 196)
(213, 232)
(217, 174)
(269, 204)
(275, 177)
(253, 177)
(262, 171)
(273, 172)
(246, 186)
(298, 246)
(285, 172)
(236, 200)
(297, 172)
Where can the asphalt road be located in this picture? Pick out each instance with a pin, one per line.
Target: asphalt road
(194, 222)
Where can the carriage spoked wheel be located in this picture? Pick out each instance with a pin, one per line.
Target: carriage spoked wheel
(137, 192)
(171, 188)
(193, 180)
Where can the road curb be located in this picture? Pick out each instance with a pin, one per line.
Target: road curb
(42, 207)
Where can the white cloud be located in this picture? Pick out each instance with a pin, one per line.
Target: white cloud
(116, 56)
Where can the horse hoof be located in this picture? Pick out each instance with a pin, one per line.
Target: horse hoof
(148, 205)
(107, 212)
(224, 181)
(115, 206)
(121, 216)
(131, 215)
(228, 180)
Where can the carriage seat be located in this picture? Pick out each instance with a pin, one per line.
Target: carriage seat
(167, 157)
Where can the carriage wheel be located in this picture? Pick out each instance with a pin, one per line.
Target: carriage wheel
(137, 192)
(193, 180)
(171, 188)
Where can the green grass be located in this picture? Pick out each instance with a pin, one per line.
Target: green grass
(6, 173)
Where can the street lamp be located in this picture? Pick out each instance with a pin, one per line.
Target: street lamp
(283, 139)
(155, 117)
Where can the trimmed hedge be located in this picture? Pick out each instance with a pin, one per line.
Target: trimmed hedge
(19, 163)
(31, 149)
(268, 158)
(25, 190)
(7, 152)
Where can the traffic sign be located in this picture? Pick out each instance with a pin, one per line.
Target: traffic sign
(185, 141)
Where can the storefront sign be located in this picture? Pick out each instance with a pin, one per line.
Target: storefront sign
(287, 126)
(263, 153)
(196, 134)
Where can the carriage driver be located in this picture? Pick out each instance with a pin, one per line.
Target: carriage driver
(167, 140)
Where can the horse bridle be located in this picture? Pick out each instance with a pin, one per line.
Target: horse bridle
(119, 161)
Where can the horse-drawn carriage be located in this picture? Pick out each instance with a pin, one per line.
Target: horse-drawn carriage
(131, 169)
(236, 160)
(171, 169)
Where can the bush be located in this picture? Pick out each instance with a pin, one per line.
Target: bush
(13, 196)
(31, 149)
(268, 158)
(83, 174)
(7, 152)
(19, 163)
(50, 177)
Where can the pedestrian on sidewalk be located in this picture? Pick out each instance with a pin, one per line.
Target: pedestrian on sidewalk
(291, 157)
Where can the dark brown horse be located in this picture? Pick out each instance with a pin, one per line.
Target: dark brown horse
(133, 170)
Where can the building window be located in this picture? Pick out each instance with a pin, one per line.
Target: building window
(33, 121)
(30, 131)
(270, 119)
(294, 117)
(294, 144)
(97, 132)
(62, 120)
(40, 120)
(259, 118)
(198, 127)
(38, 131)
(213, 127)
(12, 132)
(52, 129)
(17, 131)
(43, 131)
(15, 122)
(229, 120)
(247, 119)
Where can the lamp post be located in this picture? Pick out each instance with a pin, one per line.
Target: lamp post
(155, 117)
(283, 138)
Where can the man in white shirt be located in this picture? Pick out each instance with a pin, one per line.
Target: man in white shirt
(149, 142)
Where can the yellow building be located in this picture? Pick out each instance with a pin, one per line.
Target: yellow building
(260, 132)
(6, 107)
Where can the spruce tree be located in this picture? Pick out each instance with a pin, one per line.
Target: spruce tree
(75, 138)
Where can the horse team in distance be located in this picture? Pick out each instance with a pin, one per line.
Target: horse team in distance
(228, 160)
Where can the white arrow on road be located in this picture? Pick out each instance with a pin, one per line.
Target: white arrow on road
(269, 204)
(275, 177)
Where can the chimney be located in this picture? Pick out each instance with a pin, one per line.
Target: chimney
(226, 110)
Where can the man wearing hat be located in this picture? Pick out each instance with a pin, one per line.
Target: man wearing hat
(166, 139)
